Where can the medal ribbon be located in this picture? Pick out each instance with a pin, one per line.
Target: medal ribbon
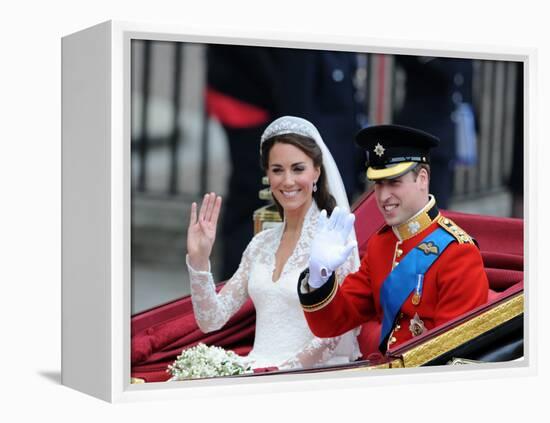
(404, 278)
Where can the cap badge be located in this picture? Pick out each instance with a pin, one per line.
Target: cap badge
(379, 150)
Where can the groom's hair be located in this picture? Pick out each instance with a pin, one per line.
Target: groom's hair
(322, 196)
(416, 170)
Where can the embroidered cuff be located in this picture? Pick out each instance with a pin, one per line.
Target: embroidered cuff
(313, 300)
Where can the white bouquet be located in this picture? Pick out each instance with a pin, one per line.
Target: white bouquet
(207, 361)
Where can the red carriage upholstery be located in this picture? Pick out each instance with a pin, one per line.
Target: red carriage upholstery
(159, 335)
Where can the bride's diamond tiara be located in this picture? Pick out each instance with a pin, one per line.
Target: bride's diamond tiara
(289, 125)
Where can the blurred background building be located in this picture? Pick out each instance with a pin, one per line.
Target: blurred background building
(198, 112)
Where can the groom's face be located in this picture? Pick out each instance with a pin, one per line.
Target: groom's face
(401, 198)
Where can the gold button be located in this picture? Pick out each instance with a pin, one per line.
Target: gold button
(393, 340)
(399, 252)
(397, 327)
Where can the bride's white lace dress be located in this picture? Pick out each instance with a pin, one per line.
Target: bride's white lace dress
(282, 337)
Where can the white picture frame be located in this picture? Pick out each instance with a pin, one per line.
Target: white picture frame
(96, 214)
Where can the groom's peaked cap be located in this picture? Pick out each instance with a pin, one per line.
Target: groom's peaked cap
(393, 150)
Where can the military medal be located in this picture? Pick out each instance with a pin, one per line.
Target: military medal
(418, 290)
(417, 325)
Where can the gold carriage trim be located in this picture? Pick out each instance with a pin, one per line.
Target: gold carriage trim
(324, 302)
(451, 339)
(463, 333)
(393, 364)
(456, 231)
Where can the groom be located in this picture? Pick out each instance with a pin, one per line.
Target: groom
(419, 271)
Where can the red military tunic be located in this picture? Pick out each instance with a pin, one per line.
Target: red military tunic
(454, 284)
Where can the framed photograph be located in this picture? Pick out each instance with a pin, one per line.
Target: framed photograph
(155, 117)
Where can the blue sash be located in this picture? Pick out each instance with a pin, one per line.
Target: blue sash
(407, 276)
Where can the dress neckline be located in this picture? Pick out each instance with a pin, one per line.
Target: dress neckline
(307, 219)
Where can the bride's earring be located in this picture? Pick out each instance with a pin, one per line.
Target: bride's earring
(315, 186)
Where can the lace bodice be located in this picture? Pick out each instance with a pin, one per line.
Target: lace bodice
(282, 337)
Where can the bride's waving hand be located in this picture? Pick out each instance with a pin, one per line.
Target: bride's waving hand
(201, 233)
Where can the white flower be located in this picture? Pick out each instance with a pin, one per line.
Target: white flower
(207, 361)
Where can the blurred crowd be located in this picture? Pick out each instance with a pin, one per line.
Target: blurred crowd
(247, 87)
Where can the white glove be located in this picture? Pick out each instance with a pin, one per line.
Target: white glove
(330, 247)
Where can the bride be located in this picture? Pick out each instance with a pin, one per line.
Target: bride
(304, 179)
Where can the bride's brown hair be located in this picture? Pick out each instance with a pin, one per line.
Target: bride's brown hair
(323, 198)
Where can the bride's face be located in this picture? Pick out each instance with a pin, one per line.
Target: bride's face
(291, 174)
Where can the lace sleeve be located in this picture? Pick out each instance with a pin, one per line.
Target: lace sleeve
(317, 351)
(213, 310)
